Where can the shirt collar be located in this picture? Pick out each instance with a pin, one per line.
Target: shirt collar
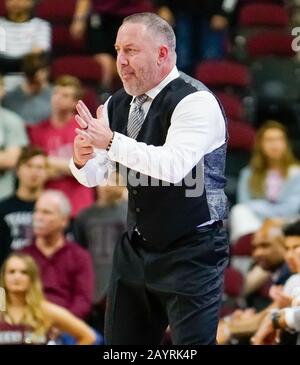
(174, 74)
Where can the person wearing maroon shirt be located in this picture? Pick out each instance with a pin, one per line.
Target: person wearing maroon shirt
(66, 268)
(101, 19)
(55, 137)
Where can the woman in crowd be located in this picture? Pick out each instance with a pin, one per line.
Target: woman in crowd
(28, 317)
(270, 186)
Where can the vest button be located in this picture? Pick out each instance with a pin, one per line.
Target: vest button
(134, 192)
(137, 210)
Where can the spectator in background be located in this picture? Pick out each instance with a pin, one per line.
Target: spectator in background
(16, 211)
(28, 317)
(66, 268)
(200, 27)
(98, 229)
(289, 317)
(12, 138)
(24, 34)
(270, 186)
(32, 99)
(55, 136)
(101, 19)
(244, 324)
(269, 266)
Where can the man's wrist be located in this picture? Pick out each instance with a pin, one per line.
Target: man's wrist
(110, 142)
(277, 318)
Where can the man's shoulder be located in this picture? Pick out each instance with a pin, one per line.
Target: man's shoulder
(9, 117)
(119, 94)
(75, 248)
(39, 22)
(196, 84)
(29, 250)
(12, 94)
(8, 204)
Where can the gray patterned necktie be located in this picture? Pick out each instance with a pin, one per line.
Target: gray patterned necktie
(136, 117)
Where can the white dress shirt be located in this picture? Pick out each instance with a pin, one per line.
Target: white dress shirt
(197, 128)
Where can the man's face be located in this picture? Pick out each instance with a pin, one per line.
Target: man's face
(63, 99)
(47, 218)
(14, 7)
(137, 58)
(33, 173)
(292, 256)
(268, 253)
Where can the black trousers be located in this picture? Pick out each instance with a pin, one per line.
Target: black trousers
(180, 285)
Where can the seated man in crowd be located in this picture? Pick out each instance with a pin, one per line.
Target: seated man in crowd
(31, 99)
(269, 266)
(245, 324)
(23, 32)
(12, 138)
(287, 318)
(99, 228)
(55, 136)
(16, 211)
(66, 268)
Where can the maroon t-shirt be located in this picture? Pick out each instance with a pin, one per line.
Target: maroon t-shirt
(19, 334)
(67, 277)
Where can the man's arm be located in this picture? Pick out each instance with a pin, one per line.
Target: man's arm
(287, 318)
(58, 166)
(197, 128)
(14, 139)
(9, 158)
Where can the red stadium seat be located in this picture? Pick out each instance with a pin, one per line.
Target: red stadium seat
(2, 8)
(83, 67)
(56, 10)
(243, 246)
(270, 43)
(233, 290)
(232, 105)
(91, 100)
(253, 15)
(223, 73)
(241, 135)
(233, 282)
(61, 37)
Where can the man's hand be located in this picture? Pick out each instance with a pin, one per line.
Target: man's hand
(82, 151)
(94, 131)
(279, 297)
(266, 334)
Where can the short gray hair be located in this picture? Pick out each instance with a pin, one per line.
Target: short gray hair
(63, 201)
(156, 25)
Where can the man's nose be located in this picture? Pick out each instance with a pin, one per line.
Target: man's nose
(122, 59)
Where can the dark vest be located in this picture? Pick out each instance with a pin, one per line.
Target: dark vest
(161, 213)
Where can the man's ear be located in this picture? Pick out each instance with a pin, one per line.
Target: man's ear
(163, 53)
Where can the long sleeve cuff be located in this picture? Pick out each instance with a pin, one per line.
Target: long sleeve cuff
(292, 318)
(94, 172)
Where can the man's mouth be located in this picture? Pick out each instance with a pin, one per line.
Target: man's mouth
(126, 75)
